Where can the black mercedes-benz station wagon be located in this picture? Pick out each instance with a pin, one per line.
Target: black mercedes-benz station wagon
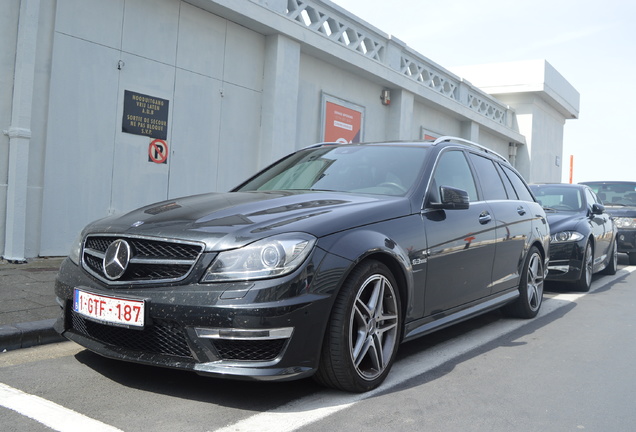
(319, 265)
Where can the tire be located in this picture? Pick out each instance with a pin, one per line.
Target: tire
(587, 268)
(364, 331)
(612, 265)
(632, 258)
(530, 298)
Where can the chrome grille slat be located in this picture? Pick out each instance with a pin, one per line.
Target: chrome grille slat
(153, 260)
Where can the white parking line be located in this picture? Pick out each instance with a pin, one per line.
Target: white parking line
(48, 413)
(301, 412)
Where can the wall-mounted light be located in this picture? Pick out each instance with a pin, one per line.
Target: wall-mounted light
(385, 97)
(120, 64)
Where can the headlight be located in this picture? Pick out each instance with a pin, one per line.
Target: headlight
(76, 249)
(270, 257)
(625, 222)
(566, 236)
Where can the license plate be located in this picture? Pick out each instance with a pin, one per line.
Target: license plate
(110, 310)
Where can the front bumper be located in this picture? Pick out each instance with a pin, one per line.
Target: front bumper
(626, 239)
(566, 261)
(263, 330)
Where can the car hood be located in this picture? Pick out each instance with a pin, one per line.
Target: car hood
(564, 221)
(621, 211)
(230, 220)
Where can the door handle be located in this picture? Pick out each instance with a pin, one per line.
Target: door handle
(484, 218)
(521, 210)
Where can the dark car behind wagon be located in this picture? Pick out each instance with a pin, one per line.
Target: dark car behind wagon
(582, 234)
(619, 198)
(320, 265)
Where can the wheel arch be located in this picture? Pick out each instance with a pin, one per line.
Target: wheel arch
(400, 275)
(592, 241)
(364, 245)
(542, 250)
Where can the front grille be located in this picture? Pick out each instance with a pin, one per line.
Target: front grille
(143, 272)
(151, 260)
(162, 337)
(249, 350)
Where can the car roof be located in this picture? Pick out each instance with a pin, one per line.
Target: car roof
(424, 143)
(568, 185)
(607, 182)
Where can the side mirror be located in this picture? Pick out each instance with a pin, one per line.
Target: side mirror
(452, 199)
(598, 209)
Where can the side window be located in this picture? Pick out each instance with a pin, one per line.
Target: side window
(491, 185)
(520, 186)
(453, 170)
(506, 181)
(591, 198)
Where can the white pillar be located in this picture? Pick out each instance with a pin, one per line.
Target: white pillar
(470, 131)
(19, 131)
(400, 124)
(280, 98)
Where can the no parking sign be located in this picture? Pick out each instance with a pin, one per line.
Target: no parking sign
(158, 151)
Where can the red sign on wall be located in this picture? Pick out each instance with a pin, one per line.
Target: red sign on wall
(343, 124)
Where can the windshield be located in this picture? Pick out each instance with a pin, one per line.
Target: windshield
(615, 193)
(558, 197)
(371, 169)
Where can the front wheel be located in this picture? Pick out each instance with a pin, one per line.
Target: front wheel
(632, 258)
(612, 265)
(587, 267)
(530, 298)
(364, 331)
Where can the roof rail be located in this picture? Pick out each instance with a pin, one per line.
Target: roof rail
(320, 144)
(468, 143)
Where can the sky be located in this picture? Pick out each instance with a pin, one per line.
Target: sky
(592, 44)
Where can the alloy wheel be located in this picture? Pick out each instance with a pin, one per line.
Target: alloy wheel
(373, 327)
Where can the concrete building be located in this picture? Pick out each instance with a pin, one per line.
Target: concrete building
(109, 105)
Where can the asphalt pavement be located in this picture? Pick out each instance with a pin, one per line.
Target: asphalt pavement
(27, 303)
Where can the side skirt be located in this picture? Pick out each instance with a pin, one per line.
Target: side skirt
(431, 323)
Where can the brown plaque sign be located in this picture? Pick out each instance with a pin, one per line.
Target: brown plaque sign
(145, 115)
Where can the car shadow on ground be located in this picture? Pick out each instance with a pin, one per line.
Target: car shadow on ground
(510, 340)
(265, 396)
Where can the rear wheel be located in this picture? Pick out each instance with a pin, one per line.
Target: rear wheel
(528, 303)
(587, 267)
(364, 331)
(632, 258)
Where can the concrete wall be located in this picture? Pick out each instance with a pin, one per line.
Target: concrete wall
(244, 81)
(8, 41)
(543, 100)
(214, 87)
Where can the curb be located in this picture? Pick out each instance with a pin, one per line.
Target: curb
(28, 334)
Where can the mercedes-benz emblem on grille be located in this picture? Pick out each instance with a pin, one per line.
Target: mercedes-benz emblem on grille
(116, 259)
